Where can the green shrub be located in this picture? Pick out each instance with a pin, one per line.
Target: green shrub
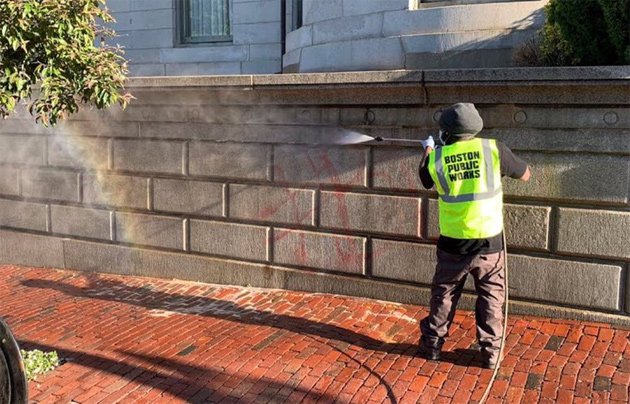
(581, 32)
(546, 48)
(617, 17)
(50, 54)
(556, 50)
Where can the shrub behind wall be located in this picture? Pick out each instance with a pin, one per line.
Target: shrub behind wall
(617, 17)
(584, 32)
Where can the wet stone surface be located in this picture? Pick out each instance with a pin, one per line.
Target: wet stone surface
(148, 340)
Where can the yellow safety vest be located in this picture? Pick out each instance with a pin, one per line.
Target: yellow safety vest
(467, 176)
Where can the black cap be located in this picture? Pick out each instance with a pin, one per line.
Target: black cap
(461, 119)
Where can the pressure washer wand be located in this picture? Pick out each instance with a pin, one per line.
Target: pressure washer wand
(401, 142)
(343, 136)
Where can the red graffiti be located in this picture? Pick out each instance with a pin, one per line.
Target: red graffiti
(322, 168)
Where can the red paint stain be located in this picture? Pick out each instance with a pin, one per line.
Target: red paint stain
(321, 164)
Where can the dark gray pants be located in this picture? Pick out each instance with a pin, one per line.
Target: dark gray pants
(488, 271)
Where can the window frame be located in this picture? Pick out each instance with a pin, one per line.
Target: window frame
(183, 24)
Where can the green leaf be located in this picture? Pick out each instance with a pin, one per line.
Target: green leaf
(53, 44)
(37, 362)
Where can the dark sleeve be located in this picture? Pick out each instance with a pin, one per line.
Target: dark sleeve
(425, 177)
(511, 165)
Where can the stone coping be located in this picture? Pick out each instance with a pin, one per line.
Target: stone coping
(513, 74)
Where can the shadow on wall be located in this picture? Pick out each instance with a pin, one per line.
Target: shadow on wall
(481, 51)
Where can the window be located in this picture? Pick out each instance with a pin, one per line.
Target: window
(205, 21)
(297, 14)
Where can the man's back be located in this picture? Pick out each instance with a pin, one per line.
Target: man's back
(510, 166)
(467, 174)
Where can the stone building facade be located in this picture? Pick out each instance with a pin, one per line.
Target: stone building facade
(160, 37)
(201, 37)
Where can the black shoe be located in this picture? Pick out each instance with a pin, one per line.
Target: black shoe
(431, 354)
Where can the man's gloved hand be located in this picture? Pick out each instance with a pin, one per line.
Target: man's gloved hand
(428, 142)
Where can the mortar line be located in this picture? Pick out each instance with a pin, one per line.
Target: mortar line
(423, 85)
(225, 211)
(522, 200)
(624, 293)
(48, 219)
(46, 149)
(553, 230)
(317, 205)
(112, 225)
(150, 187)
(186, 234)
(270, 163)
(367, 260)
(110, 154)
(369, 169)
(530, 252)
(424, 217)
(270, 243)
(80, 187)
(19, 182)
(185, 158)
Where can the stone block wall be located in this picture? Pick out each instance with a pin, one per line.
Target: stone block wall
(242, 180)
(148, 30)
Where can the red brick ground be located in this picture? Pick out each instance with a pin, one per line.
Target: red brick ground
(145, 340)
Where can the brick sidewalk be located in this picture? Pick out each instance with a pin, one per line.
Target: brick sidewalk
(146, 340)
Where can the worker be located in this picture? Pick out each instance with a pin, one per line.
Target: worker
(466, 172)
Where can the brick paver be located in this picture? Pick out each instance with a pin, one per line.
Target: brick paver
(133, 339)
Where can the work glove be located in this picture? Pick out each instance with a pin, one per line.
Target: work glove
(428, 142)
